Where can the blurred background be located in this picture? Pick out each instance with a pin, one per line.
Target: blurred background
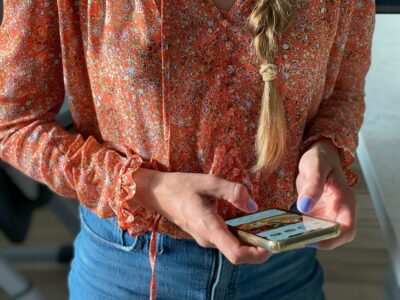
(37, 227)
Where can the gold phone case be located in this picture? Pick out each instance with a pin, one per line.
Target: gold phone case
(290, 243)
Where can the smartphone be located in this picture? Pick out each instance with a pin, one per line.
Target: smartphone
(280, 230)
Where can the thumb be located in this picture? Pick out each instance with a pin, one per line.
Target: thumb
(242, 200)
(311, 189)
(233, 192)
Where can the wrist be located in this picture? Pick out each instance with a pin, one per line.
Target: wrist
(145, 181)
(327, 146)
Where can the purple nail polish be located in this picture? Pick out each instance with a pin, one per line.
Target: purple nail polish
(304, 204)
(252, 205)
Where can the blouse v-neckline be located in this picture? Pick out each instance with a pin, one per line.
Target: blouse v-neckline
(223, 14)
(224, 9)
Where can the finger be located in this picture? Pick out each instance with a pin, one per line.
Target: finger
(347, 220)
(311, 182)
(235, 251)
(233, 192)
(336, 242)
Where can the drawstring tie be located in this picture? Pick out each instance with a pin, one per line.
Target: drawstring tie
(152, 255)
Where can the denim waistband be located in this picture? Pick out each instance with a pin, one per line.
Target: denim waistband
(107, 231)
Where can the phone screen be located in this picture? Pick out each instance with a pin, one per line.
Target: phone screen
(276, 225)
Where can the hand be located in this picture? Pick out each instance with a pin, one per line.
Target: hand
(189, 200)
(324, 193)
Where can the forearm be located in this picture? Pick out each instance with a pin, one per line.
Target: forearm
(68, 164)
(340, 114)
(31, 95)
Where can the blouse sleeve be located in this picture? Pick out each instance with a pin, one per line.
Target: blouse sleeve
(340, 116)
(31, 95)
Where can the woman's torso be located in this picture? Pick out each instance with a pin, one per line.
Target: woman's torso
(178, 82)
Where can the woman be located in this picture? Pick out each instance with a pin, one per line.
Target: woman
(187, 113)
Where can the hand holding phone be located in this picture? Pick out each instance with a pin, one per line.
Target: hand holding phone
(324, 190)
(280, 230)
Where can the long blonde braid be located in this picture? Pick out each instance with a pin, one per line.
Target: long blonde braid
(266, 22)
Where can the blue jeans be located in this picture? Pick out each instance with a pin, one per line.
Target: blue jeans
(110, 264)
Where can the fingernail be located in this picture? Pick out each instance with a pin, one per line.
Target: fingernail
(252, 205)
(305, 204)
(313, 245)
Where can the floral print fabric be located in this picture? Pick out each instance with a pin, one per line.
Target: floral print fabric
(172, 86)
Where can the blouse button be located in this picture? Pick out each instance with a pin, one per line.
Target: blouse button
(225, 23)
(228, 45)
(236, 171)
(230, 69)
(230, 82)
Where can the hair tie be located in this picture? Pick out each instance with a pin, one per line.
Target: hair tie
(268, 71)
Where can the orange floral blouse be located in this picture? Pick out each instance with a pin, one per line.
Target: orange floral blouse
(172, 86)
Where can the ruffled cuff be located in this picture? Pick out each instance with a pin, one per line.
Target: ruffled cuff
(346, 156)
(130, 216)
